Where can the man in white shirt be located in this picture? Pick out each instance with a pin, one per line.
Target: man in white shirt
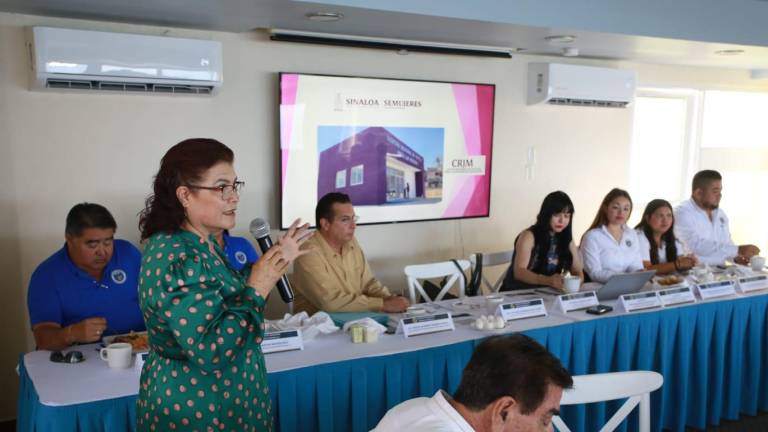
(703, 227)
(510, 384)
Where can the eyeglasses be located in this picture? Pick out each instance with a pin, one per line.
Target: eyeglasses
(347, 220)
(70, 357)
(227, 190)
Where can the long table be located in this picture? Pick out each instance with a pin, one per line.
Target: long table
(712, 355)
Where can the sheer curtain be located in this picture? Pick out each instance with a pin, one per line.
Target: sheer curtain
(734, 141)
(663, 146)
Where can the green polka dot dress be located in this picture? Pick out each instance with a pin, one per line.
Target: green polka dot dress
(205, 370)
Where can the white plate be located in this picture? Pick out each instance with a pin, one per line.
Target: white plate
(106, 340)
(659, 286)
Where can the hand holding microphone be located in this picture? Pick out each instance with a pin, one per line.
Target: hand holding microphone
(270, 269)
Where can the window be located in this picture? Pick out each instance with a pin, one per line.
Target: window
(661, 147)
(341, 179)
(395, 184)
(679, 132)
(734, 120)
(356, 175)
(734, 141)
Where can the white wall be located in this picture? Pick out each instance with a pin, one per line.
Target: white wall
(59, 149)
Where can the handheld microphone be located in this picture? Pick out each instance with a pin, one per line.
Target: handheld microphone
(260, 231)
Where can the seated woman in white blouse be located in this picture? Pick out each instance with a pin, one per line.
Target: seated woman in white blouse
(660, 250)
(610, 246)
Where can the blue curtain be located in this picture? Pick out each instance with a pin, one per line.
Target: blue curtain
(712, 356)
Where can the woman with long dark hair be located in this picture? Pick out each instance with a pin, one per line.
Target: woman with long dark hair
(545, 250)
(660, 250)
(205, 369)
(610, 246)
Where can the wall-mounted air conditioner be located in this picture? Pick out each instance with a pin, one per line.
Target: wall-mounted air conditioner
(565, 84)
(92, 60)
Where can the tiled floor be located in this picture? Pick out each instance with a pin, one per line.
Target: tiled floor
(745, 424)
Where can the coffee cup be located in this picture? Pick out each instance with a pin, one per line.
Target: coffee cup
(117, 355)
(703, 274)
(572, 284)
(757, 263)
(492, 302)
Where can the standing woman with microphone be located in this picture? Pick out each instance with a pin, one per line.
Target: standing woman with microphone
(205, 368)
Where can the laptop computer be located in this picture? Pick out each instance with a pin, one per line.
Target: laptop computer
(624, 283)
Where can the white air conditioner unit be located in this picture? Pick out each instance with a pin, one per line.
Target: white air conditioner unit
(565, 84)
(92, 60)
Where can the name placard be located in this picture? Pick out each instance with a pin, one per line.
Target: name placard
(753, 283)
(140, 359)
(285, 340)
(419, 325)
(674, 296)
(522, 309)
(577, 301)
(716, 289)
(640, 301)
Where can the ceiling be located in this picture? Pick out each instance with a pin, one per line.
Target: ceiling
(686, 32)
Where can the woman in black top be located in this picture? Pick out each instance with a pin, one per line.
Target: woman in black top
(544, 251)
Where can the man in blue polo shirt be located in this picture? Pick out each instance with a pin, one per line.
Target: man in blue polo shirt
(238, 249)
(89, 288)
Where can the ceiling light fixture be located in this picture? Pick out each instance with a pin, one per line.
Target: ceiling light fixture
(570, 52)
(758, 74)
(729, 52)
(324, 16)
(562, 39)
(398, 45)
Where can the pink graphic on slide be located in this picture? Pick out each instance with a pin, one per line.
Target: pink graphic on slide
(288, 86)
(474, 104)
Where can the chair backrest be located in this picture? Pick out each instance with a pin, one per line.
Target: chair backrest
(490, 260)
(418, 272)
(634, 385)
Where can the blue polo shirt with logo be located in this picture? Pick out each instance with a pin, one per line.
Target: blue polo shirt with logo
(239, 251)
(62, 293)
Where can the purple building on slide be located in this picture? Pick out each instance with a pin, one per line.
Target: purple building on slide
(373, 167)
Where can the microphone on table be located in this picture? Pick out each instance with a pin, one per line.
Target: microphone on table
(260, 231)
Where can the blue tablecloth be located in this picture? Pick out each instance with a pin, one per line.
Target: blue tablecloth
(712, 355)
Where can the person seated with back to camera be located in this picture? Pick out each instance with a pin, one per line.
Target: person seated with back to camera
(88, 288)
(335, 276)
(703, 226)
(660, 250)
(610, 246)
(545, 250)
(511, 383)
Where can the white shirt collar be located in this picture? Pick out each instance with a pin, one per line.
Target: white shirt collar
(441, 402)
(624, 229)
(695, 207)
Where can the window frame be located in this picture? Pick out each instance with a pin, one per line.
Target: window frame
(344, 173)
(691, 156)
(352, 176)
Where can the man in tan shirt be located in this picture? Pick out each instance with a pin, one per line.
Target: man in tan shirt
(336, 277)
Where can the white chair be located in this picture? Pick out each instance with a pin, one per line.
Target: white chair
(635, 385)
(491, 260)
(414, 273)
